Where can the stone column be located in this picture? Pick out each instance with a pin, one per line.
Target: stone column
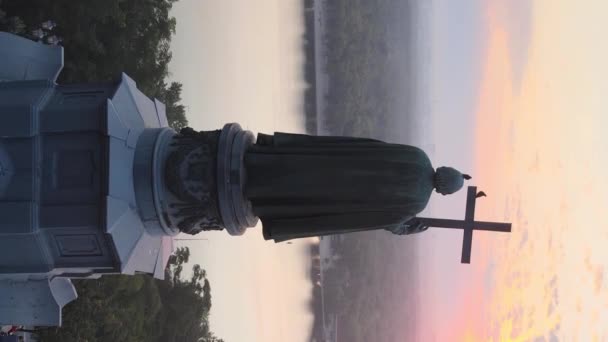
(204, 178)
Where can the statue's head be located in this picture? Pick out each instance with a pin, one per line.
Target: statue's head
(449, 180)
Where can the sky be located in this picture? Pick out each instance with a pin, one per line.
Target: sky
(515, 91)
(529, 79)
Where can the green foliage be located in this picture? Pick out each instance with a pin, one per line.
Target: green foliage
(11, 24)
(176, 112)
(140, 308)
(102, 39)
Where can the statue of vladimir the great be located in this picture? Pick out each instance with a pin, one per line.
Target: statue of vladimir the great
(303, 186)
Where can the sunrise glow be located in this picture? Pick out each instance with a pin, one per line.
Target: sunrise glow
(540, 154)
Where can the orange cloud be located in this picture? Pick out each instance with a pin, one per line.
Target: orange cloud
(493, 135)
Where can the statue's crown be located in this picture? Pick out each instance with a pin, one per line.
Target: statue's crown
(449, 180)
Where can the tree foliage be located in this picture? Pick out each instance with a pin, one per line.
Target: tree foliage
(140, 308)
(102, 39)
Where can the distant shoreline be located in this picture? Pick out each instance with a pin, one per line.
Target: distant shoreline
(360, 75)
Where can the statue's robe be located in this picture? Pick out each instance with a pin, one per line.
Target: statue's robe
(304, 186)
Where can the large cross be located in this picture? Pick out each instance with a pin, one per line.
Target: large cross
(468, 225)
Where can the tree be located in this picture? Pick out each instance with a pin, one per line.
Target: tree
(140, 308)
(212, 338)
(187, 313)
(11, 24)
(175, 264)
(102, 39)
(176, 112)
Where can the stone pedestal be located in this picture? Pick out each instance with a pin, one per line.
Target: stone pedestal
(93, 182)
(205, 177)
(235, 209)
(22, 59)
(81, 178)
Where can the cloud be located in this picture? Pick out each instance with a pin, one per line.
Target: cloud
(524, 239)
(535, 164)
(516, 16)
(489, 277)
(553, 335)
(554, 303)
(598, 280)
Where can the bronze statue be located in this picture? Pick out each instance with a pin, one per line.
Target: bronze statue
(302, 185)
(306, 186)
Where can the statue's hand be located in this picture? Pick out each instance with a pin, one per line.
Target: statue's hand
(411, 226)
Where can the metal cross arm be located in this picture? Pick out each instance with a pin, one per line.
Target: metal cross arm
(468, 225)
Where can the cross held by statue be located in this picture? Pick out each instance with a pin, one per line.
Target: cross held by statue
(468, 225)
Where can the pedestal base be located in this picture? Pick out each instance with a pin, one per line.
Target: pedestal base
(204, 176)
(235, 209)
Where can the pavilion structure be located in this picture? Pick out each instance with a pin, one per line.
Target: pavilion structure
(94, 182)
